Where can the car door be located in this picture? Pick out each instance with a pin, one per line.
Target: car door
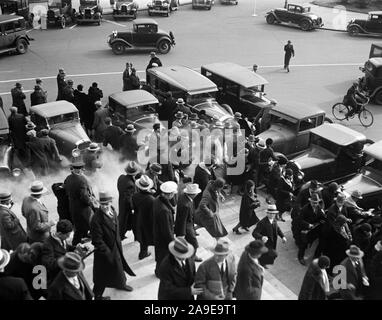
(372, 25)
(8, 34)
(303, 134)
(145, 36)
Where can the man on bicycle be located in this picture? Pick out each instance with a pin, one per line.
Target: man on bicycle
(351, 101)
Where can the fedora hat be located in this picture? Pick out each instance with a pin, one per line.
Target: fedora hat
(37, 188)
(45, 132)
(193, 117)
(261, 144)
(77, 164)
(132, 168)
(192, 188)
(256, 247)
(18, 85)
(354, 252)
(98, 103)
(130, 128)
(4, 258)
(71, 261)
(30, 125)
(144, 183)
(169, 187)
(93, 147)
(5, 196)
(105, 197)
(179, 115)
(222, 247)
(315, 198)
(238, 115)
(180, 248)
(180, 101)
(156, 167)
(357, 194)
(340, 197)
(272, 209)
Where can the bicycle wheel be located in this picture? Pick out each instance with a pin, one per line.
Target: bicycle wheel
(366, 118)
(340, 111)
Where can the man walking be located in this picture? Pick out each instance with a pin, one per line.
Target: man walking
(289, 53)
(99, 124)
(61, 83)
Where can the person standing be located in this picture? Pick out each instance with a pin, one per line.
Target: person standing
(37, 159)
(154, 59)
(99, 124)
(128, 143)
(126, 77)
(61, 84)
(255, 67)
(153, 172)
(134, 80)
(92, 158)
(94, 93)
(315, 285)
(285, 194)
(111, 134)
(37, 96)
(250, 274)
(36, 214)
(217, 275)
(289, 53)
(109, 263)
(68, 92)
(163, 212)
(17, 123)
(18, 97)
(204, 172)
(177, 272)
(126, 189)
(50, 148)
(11, 231)
(375, 273)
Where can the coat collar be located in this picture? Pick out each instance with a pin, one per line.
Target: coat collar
(109, 222)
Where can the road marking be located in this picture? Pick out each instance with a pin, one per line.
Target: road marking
(73, 26)
(116, 23)
(5, 93)
(143, 71)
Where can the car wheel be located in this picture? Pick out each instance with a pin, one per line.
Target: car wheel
(164, 46)
(21, 46)
(118, 48)
(378, 97)
(270, 19)
(63, 23)
(305, 25)
(353, 31)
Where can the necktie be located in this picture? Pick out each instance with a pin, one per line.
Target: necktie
(222, 270)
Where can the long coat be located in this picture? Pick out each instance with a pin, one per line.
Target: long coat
(202, 177)
(18, 98)
(313, 287)
(126, 189)
(99, 124)
(61, 84)
(36, 214)
(207, 214)
(109, 263)
(354, 277)
(13, 289)
(289, 52)
(111, 135)
(38, 97)
(11, 231)
(37, 158)
(284, 199)
(247, 214)
(128, 146)
(17, 130)
(184, 223)
(143, 202)
(62, 289)
(163, 214)
(175, 282)
(249, 281)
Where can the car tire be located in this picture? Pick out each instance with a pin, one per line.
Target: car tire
(164, 46)
(118, 48)
(378, 97)
(305, 25)
(354, 31)
(62, 23)
(270, 19)
(21, 46)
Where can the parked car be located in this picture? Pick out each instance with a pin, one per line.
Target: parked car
(240, 88)
(296, 15)
(13, 36)
(159, 7)
(18, 7)
(371, 82)
(335, 151)
(203, 4)
(63, 121)
(198, 92)
(125, 9)
(369, 180)
(235, 2)
(371, 25)
(145, 35)
(90, 11)
(60, 13)
(290, 127)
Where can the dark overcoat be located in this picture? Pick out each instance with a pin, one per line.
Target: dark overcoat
(17, 130)
(248, 215)
(143, 202)
(38, 97)
(11, 231)
(128, 146)
(202, 177)
(109, 263)
(175, 281)
(37, 158)
(18, 98)
(184, 223)
(312, 286)
(62, 289)
(284, 198)
(111, 136)
(13, 289)
(126, 189)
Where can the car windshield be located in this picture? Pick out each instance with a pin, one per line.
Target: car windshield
(213, 109)
(375, 164)
(67, 117)
(146, 121)
(253, 94)
(306, 9)
(199, 98)
(324, 143)
(137, 112)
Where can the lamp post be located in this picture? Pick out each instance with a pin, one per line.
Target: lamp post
(254, 9)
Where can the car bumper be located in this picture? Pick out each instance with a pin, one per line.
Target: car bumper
(158, 10)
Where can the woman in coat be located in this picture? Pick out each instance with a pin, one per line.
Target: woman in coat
(207, 214)
(248, 205)
(203, 174)
(285, 195)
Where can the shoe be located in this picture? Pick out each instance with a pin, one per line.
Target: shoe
(302, 261)
(236, 231)
(198, 259)
(102, 298)
(145, 255)
(127, 288)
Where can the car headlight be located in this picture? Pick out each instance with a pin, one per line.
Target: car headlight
(76, 153)
(16, 172)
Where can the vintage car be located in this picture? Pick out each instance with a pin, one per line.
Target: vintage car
(371, 25)
(125, 9)
(371, 82)
(60, 13)
(296, 15)
(203, 4)
(159, 7)
(335, 151)
(145, 35)
(18, 7)
(62, 120)
(368, 180)
(235, 2)
(240, 88)
(13, 35)
(290, 127)
(90, 11)
(197, 91)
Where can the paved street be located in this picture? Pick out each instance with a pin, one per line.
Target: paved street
(325, 65)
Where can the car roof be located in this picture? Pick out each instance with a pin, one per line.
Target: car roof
(236, 73)
(9, 17)
(54, 108)
(297, 111)
(134, 98)
(338, 134)
(377, 62)
(185, 79)
(145, 21)
(374, 150)
(376, 12)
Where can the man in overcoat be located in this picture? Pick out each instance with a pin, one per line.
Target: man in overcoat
(61, 84)
(289, 53)
(128, 143)
(36, 154)
(109, 263)
(99, 124)
(18, 97)
(38, 96)
(111, 134)
(17, 123)
(50, 148)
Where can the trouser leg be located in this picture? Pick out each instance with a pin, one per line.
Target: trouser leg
(98, 291)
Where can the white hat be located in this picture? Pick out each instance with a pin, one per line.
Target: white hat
(144, 183)
(180, 248)
(192, 188)
(272, 209)
(37, 188)
(4, 258)
(169, 187)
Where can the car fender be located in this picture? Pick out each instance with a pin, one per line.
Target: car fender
(163, 38)
(25, 37)
(358, 26)
(121, 40)
(273, 14)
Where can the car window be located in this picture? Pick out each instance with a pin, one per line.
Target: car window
(39, 121)
(307, 124)
(63, 118)
(8, 27)
(320, 120)
(298, 10)
(231, 88)
(19, 25)
(280, 120)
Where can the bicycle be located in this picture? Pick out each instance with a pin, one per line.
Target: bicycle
(342, 112)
